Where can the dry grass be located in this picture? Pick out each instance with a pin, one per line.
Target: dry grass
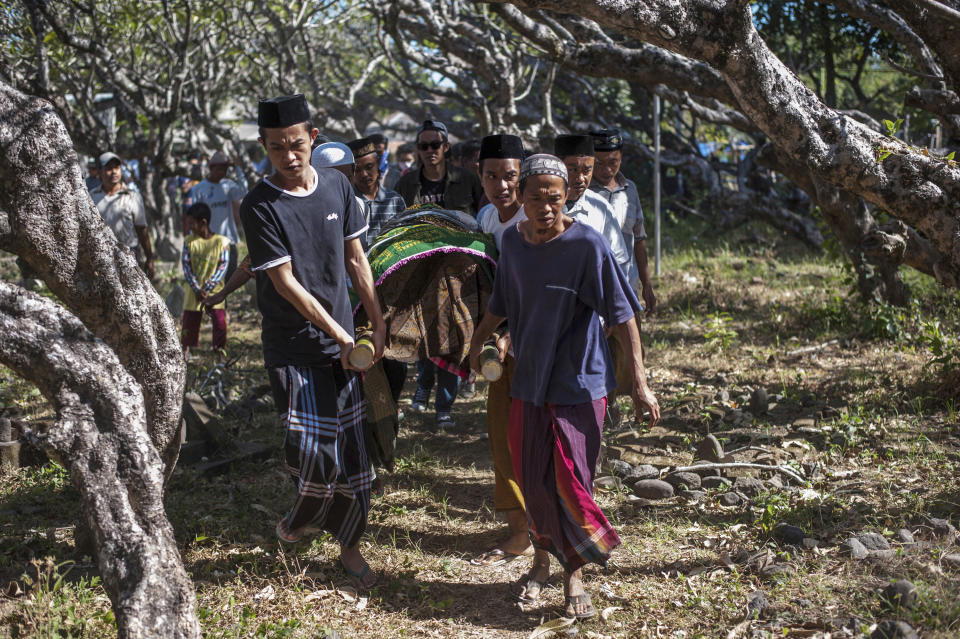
(887, 448)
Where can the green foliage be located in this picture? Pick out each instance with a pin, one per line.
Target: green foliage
(944, 349)
(61, 607)
(718, 333)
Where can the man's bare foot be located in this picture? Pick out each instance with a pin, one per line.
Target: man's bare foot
(357, 567)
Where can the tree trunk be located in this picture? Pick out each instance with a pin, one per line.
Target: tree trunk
(101, 436)
(53, 225)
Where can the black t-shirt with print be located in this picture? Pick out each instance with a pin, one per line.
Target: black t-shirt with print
(308, 230)
(432, 192)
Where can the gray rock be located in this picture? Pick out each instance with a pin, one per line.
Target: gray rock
(904, 536)
(619, 468)
(653, 489)
(757, 602)
(873, 541)
(775, 483)
(749, 486)
(881, 556)
(777, 572)
(723, 395)
(809, 543)
(802, 603)
(714, 482)
(854, 549)
(693, 495)
(899, 594)
(710, 449)
(943, 529)
(644, 471)
(787, 534)
(951, 561)
(686, 481)
(891, 629)
(759, 400)
(729, 499)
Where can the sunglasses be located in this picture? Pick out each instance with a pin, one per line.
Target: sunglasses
(423, 146)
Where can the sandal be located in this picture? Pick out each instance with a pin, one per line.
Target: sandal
(529, 589)
(574, 600)
(358, 575)
(495, 557)
(285, 534)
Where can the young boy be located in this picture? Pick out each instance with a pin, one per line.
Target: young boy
(205, 259)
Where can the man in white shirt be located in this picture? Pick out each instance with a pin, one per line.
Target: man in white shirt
(610, 183)
(223, 196)
(122, 210)
(499, 160)
(584, 205)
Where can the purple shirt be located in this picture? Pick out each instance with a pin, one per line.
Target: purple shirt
(553, 296)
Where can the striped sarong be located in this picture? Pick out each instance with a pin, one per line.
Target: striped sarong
(555, 451)
(324, 448)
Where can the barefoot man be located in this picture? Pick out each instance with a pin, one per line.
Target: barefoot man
(557, 283)
(304, 230)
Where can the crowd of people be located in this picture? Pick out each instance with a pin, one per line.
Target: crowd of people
(564, 314)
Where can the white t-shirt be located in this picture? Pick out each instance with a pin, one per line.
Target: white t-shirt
(123, 212)
(490, 222)
(594, 211)
(220, 197)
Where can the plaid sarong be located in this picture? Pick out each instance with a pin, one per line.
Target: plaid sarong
(554, 451)
(324, 449)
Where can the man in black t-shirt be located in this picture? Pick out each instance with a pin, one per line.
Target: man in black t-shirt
(437, 181)
(304, 230)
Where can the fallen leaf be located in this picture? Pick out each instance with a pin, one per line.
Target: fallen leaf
(318, 594)
(349, 593)
(551, 627)
(14, 589)
(605, 615)
(362, 603)
(267, 594)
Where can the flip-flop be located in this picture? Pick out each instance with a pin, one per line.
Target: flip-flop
(285, 534)
(526, 585)
(494, 557)
(358, 575)
(573, 600)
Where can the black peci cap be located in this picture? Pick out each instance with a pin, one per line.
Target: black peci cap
(282, 111)
(607, 139)
(501, 146)
(566, 145)
(362, 146)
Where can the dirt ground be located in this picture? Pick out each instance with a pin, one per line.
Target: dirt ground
(851, 405)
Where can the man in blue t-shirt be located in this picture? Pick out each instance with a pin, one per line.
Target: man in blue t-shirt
(304, 230)
(557, 279)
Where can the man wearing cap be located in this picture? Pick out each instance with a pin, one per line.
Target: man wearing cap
(303, 228)
(499, 159)
(379, 204)
(610, 183)
(577, 154)
(223, 196)
(437, 181)
(122, 210)
(556, 278)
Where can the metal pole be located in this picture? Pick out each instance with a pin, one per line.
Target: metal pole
(656, 184)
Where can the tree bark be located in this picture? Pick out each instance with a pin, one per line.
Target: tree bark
(53, 225)
(101, 436)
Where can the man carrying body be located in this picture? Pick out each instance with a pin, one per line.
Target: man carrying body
(437, 181)
(303, 228)
(223, 196)
(610, 183)
(379, 204)
(122, 210)
(556, 278)
(500, 158)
